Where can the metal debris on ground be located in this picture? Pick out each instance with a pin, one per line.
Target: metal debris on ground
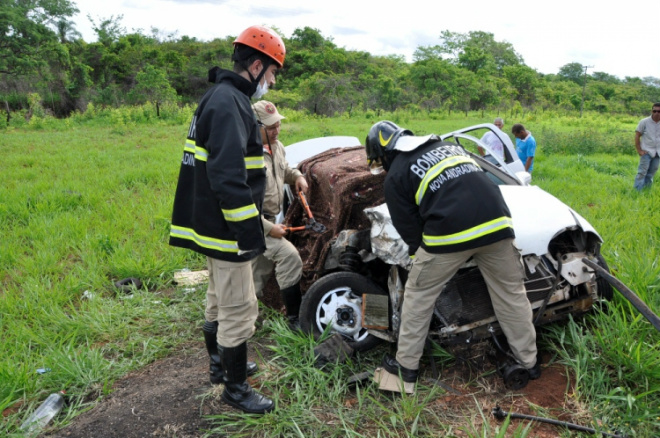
(191, 278)
(127, 285)
(389, 382)
(332, 350)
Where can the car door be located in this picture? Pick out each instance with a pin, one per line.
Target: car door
(510, 163)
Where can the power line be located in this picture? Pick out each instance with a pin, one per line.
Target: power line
(584, 86)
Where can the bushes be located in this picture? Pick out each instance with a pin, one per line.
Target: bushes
(170, 114)
(554, 133)
(585, 142)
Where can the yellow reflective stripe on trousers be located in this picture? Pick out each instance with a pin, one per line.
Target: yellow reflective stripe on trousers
(204, 241)
(471, 234)
(254, 162)
(436, 170)
(240, 214)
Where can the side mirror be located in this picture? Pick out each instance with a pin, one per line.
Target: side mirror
(524, 177)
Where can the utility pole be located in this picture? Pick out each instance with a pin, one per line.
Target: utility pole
(584, 87)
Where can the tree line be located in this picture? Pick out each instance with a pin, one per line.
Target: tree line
(45, 63)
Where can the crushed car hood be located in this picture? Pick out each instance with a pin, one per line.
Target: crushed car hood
(537, 218)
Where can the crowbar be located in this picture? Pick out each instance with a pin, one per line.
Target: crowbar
(626, 292)
(500, 414)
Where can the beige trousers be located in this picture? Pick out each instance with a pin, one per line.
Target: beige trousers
(231, 301)
(285, 257)
(501, 266)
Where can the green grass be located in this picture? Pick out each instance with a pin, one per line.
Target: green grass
(319, 403)
(87, 201)
(615, 362)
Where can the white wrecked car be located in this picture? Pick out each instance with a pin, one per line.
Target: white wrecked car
(355, 271)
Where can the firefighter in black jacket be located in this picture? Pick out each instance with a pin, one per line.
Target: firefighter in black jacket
(217, 207)
(447, 210)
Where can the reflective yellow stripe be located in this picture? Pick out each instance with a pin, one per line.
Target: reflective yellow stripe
(201, 154)
(189, 146)
(470, 234)
(240, 214)
(436, 170)
(204, 241)
(254, 162)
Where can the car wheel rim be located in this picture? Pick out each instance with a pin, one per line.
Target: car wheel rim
(341, 309)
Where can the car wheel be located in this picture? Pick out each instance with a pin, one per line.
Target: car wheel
(335, 301)
(604, 288)
(127, 285)
(515, 377)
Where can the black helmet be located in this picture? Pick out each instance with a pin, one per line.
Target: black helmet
(380, 144)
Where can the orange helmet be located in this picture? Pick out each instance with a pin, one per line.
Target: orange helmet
(265, 41)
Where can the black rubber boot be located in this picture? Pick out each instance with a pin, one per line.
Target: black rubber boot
(292, 298)
(535, 371)
(238, 392)
(210, 330)
(392, 366)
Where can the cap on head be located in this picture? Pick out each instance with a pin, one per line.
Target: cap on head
(266, 113)
(264, 40)
(380, 143)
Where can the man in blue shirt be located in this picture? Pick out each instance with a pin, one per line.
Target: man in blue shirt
(525, 145)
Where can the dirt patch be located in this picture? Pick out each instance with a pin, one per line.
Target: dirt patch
(471, 396)
(164, 399)
(172, 396)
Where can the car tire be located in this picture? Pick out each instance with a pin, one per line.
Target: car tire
(515, 377)
(127, 285)
(604, 288)
(332, 296)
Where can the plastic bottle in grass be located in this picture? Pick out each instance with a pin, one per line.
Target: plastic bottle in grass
(44, 413)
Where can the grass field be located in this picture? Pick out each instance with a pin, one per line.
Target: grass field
(87, 201)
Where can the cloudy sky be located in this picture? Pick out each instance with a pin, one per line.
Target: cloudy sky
(616, 38)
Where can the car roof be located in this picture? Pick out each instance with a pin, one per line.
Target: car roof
(297, 152)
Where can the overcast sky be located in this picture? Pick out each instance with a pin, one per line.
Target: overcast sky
(619, 38)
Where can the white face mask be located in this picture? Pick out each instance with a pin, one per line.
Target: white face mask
(376, 167)
(261, 90)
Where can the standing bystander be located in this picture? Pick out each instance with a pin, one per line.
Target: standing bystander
(525, 145)
(492, 140)
(647, 143)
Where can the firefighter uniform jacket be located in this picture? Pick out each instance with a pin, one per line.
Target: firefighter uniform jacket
(221, 183)
(278, 173)
(440, 199)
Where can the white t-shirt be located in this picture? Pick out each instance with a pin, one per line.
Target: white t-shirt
(650, 140)
(494, 142)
